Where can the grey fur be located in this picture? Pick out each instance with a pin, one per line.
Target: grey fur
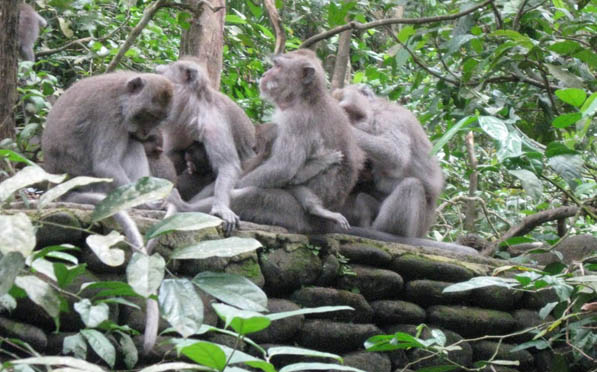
(29, 24)
(406, 177)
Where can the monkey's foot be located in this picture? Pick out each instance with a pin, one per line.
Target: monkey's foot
(230, 218)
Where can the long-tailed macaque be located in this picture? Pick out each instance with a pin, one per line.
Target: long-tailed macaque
(160, 165)
(407, 178)
(310, 126)
(202, 114)
(29, 24)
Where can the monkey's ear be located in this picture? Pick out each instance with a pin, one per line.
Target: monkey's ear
(133, 85)
(308, 74)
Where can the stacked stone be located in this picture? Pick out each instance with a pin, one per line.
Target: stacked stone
(391, 287)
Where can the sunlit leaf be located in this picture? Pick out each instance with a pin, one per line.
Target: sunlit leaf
(233, 289)
(41, 293)
(206, 353)
(242, 321)
(228, 247)
(101, 345)
(181, 306)
(145, 273)
(61, 189)
(29, 175)
(92, 315)
(10, 265)
(531, 184)
(100, 245)
(183, 222)
(573, 96)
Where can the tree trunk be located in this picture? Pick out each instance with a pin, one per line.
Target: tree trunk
(205, 39)
(342, 60)
(9, 24)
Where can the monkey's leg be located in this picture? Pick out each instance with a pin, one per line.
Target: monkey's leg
(266, 206)
(404, 211)
(367, 207)
(312, 204)
(316, 165)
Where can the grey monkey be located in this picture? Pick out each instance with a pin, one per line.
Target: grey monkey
(287, 189)
(29, 24)
(202, 114)
(160, 165)
(407, 179)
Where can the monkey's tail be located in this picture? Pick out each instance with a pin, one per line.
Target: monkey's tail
(419, 242)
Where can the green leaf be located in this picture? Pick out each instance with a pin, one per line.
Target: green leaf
(494, 127)
(66, 275)
(146, 189)
(569, 167)
(15, 157)
(233, 289)
(10, 265)
(397, 341)
(100, 245)
(145, 273)
(546, 310)
(27, 176)
(128, 348)
(234, 19)
(565, 47)
(522, 40)
(183, 222)
(569, 80)
(207, 354)
(587, 57)
(558, 148)
(76, 345)
(92, 315)
(76, 364)
(181, 306)
(101, 345)
(242, 321)
(108, 289)
(481, 282)
(41, 293)
(291, 350)
(573, 96)
(589, 108)
(463, 123)
(405, 33)
(228, 247)
(308, 310)
(318, 367)
(510, 148)
(530, 182)
(539, 344)
(61, 189)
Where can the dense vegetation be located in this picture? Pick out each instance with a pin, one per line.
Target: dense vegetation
(507, 93)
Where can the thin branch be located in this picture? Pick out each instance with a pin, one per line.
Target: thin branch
(516, 22)
(587, 210)
(470, 212)
(148, 14)
(498, 18)
(274, 17)
(390, 21)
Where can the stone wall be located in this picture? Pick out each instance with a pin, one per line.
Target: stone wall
(392, 287)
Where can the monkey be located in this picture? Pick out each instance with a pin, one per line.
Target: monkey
(29, 24)
(202, 114)
(310, 124)
(159, 164)
(93, 130)
(407, 178)
(198, 173)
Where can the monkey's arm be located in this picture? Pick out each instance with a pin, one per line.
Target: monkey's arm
(289, 155)
(394, 151)
(317, 165)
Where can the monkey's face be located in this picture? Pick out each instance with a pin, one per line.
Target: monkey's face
(153, 145)
(355, 103)
(291, 76)
(187, 72)
(149, 101)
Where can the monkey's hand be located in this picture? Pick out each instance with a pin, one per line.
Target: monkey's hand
(191, 167)
(342, 221)
(230, 218)
(333, 157)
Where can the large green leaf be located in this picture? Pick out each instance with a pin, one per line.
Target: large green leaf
(145, 190)
(207, 354)
(29, 175)
(181, 306)
(14, 157)
(573, 96)
(100, 245)
(531, 184)
(75, 345)
(18, 234)
(145, 273)
(480, 282)
(566, 120)
(228, 247)
(183, 222)
(233, 289)
(463, 123)
(92, 315)
(10, 265)
(41, 293)
(242, 321)
(61, 189)
(101, 345)
(494, 127)
(568, 167)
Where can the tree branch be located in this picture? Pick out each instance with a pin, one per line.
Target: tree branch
(389, 21)
(274, 17)
(516, 22)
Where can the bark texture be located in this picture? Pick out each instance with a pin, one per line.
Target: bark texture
(9, 23)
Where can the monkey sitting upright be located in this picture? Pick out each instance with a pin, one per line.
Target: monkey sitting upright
(29, 24)
(407, 178)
